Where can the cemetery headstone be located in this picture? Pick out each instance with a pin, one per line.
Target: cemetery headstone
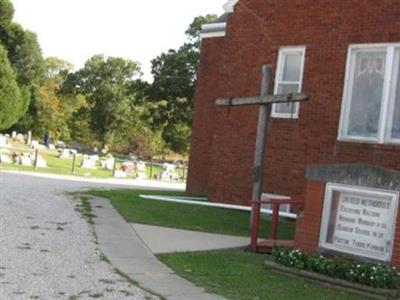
(3, 141)
(5, 158)
(40, 162)
(129, 166)
(141, 170)
(20, 137)
(88, 162)
(26, 160)
(64, 154)
(108, 164)
(169, 172)
(29, 139)
(34, 144)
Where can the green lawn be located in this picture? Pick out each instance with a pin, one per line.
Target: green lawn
(193, 217)
(239, 275)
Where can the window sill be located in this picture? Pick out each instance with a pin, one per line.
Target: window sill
(368, 141)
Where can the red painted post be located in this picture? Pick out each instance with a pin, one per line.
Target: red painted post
(275, 220)
(256, 209)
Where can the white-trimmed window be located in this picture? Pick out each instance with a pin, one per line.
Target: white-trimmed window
(371, 99)
(289, 79)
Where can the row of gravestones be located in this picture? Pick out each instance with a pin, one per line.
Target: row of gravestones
(94, 161)
(24, 159)
(88, 161)
(23, 139)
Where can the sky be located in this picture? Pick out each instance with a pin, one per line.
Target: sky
(139, 30)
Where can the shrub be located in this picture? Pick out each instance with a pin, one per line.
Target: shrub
(378, 276)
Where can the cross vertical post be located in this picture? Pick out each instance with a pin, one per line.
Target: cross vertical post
(265, 100)
(261, 140)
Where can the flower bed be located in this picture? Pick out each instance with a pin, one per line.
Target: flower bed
(377, 276)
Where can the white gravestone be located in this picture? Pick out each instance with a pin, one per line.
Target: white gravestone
(3, 141)
(359, 221)
(108, 164)
(34, 144)
(20, 137)
(41, 163)
(29, 139)
(66, 153)
(89, 162)
(25, 160)
(169, 172)
(141, 170)
(4, 158)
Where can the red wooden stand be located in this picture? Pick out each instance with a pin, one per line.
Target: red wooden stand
(266, 246)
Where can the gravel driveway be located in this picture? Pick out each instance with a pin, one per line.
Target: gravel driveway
(47, 250)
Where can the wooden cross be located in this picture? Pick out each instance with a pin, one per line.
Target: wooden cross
(265, 100)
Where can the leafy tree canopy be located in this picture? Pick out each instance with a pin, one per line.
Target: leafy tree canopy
(24, 55)
(57, 69)
(10, 98)
(173, 88)
(6, 13)
(106, 82)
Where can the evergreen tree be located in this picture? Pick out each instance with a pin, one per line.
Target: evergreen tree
(10, 96)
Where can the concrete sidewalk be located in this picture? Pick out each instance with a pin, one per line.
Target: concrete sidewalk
(127, 251)
(168, 240)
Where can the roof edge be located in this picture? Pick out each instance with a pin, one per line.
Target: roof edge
(230, 5)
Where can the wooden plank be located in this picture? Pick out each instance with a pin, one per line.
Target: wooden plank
(261, 139)
(265, 99)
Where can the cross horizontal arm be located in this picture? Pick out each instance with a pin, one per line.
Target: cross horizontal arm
(262, 100)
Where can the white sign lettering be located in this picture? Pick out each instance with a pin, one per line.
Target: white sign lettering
(360, 222)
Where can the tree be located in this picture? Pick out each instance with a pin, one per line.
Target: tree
(173, 87)
(57, 69)
(10, 98)
(178, 136)
(107, 85)
(24, 54)
(49, 110)
(6, 14)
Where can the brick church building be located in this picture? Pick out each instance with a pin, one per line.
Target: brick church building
(346, 54)
(338, 152)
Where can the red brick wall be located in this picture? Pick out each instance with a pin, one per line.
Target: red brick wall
(223, 139)
(205, 111)
(396, 247)
(309, 224)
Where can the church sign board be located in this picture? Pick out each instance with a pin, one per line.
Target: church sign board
(357, 211)
(359, 221)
